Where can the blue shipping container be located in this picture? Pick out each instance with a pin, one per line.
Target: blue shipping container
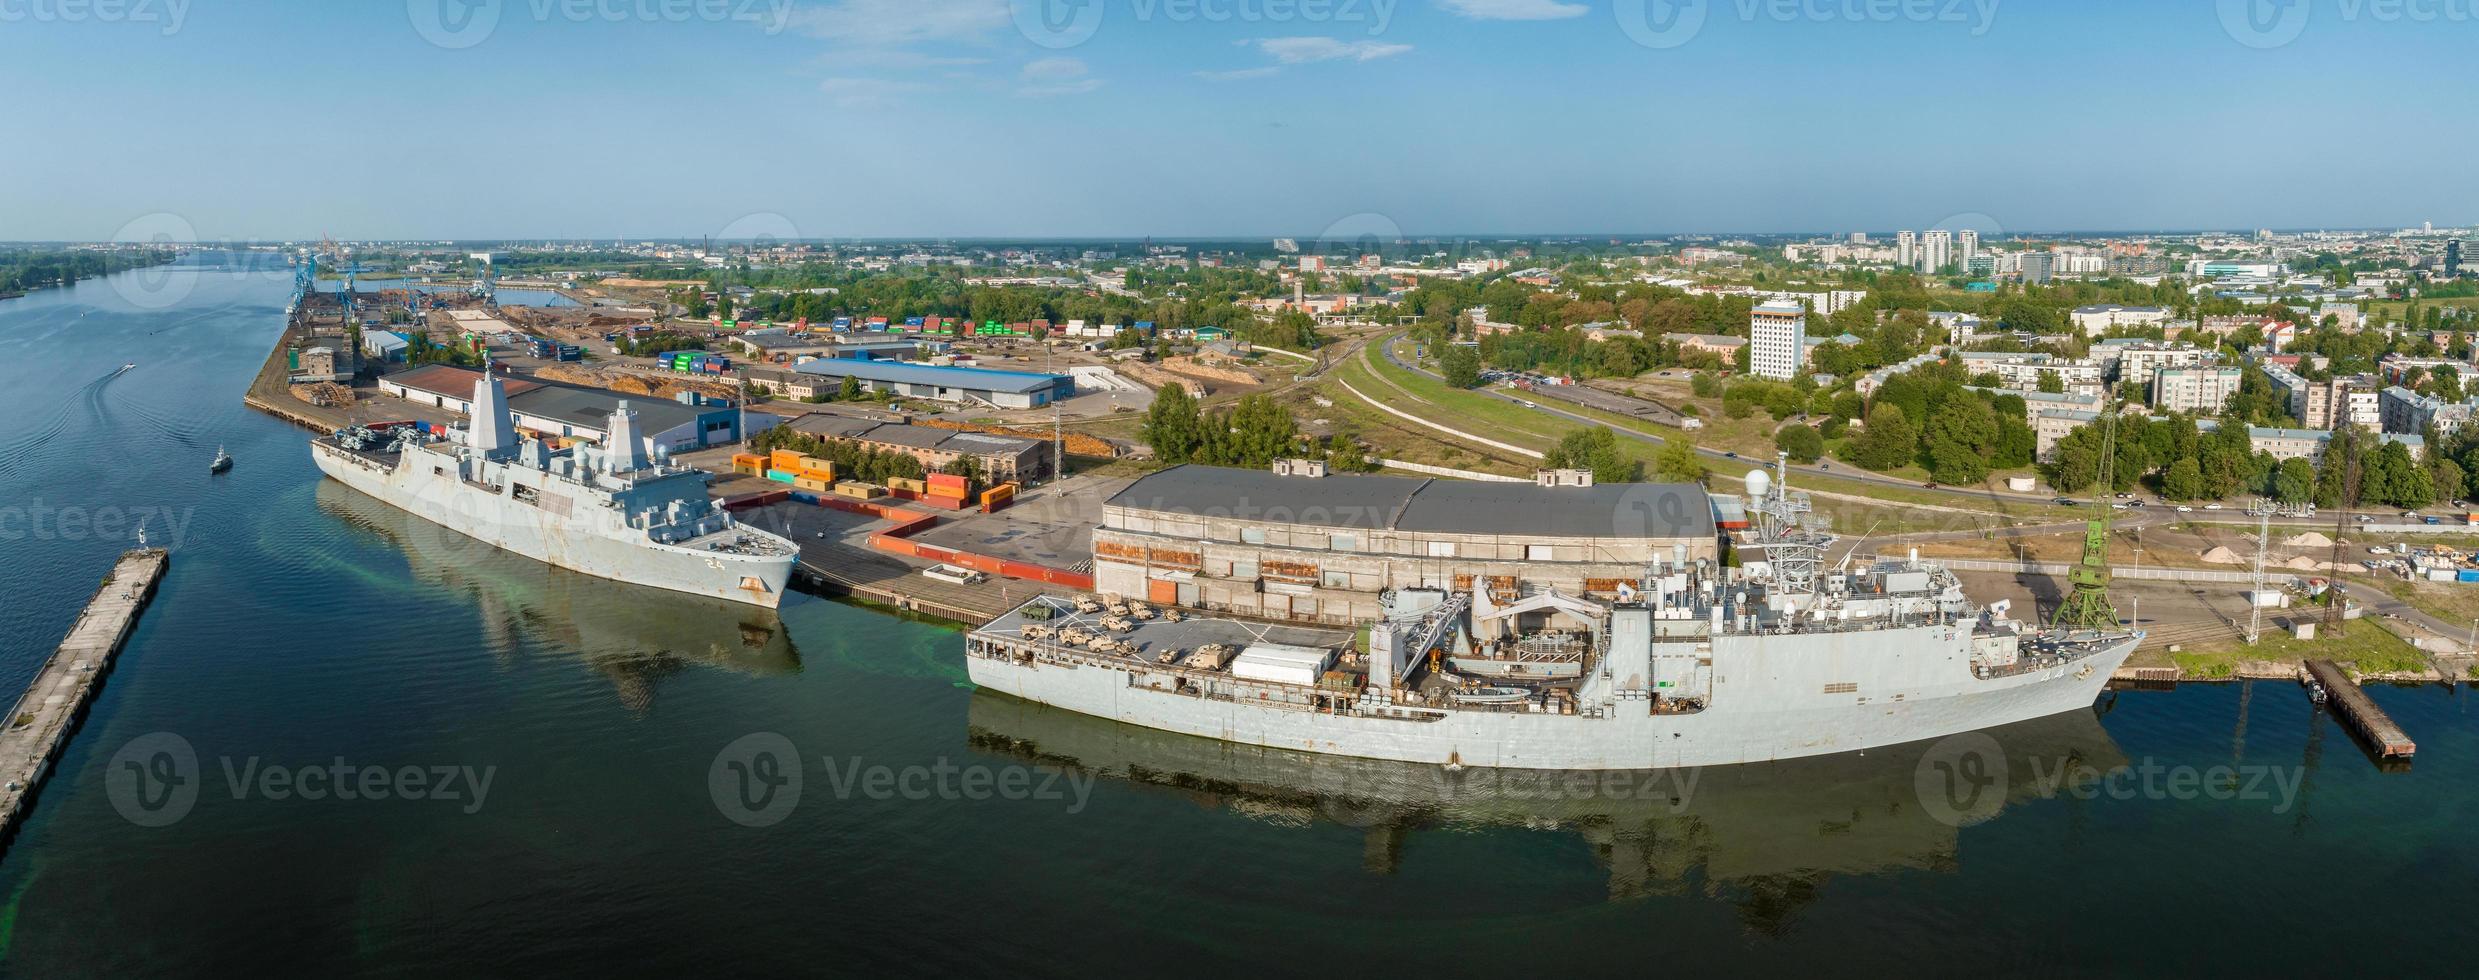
(2467, 575)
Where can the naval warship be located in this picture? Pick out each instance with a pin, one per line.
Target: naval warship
(613, 511)
(1696, 663)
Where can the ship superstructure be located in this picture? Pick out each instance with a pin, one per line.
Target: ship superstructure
(1695, 662)
(614, 510)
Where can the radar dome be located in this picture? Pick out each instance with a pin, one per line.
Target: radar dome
(1758, 482)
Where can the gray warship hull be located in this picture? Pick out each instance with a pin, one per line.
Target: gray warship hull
(1771, 698)
(577, 540)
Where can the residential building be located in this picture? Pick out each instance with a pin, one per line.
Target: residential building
(1868, 384)
(2092, 320)
(1720, 345)
(1966, 248)
(2195, 390)
(2037, 267)
(1906, 249)
(1777, 334)
(1936, 251)
(2406, 412)
(2022, 372)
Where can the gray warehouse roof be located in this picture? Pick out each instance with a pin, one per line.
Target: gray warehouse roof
(592, 409)
(1630, 510)
(971, 379)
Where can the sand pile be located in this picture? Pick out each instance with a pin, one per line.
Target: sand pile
(2305, 564)
(2310, 539)
(2222, 556)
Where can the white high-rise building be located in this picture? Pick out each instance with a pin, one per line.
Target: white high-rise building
(1936, 252)
(1906, 249)
(1966, 248)
(1777, 337)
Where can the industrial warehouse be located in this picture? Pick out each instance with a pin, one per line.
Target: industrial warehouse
(564, 412)
(1000, 389)
(1297, 544)
(999, 459)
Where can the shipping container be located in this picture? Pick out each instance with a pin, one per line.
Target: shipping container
(2466, 575)
(857, 490)
(901, 483)
(814, 483)
(786, 459)
(781, 476)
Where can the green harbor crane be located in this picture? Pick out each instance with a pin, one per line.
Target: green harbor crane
(2087, 605)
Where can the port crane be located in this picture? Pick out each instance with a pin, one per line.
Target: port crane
(2087, 605)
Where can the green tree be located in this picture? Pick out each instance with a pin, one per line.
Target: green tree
(1261, 431)
(2293, 482)
(1461, 366)
(1802, 442)
(2052, 383)
(1960, 438)
(2184, 481)
(1171, 426)
(1890, 442)
(1677, 462)
(1594, 449)
(851, 390)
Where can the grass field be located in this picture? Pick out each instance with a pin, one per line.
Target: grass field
(2367, 647)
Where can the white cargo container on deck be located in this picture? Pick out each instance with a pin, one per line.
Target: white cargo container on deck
(1282, 664)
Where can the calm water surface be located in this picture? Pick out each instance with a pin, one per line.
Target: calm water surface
(305, 627)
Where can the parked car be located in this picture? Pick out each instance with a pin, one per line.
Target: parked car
(2207, 507)
(1930, 485)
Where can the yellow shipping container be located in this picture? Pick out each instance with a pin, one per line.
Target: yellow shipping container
(858, 490)
(812, 483)
(900, 483)
(823, 469)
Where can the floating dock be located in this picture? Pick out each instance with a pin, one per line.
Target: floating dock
(2359, 712)
(47, 714)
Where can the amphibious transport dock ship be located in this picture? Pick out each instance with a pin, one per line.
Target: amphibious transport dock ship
(610, 511)
(1692, 663)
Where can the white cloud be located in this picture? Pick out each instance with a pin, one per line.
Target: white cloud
(858, 92)
(1515, 9)
(872, 23)
(1243, 73)
(1303, 50)
(1047, 77)
(892, 59)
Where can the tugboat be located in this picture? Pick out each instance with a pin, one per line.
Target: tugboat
(223, 461)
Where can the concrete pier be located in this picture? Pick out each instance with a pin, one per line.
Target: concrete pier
(2359, 712)
(47, 714)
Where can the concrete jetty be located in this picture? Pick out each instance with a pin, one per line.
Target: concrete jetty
(2360, 713)
(47, 714)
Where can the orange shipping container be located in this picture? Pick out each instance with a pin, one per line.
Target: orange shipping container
(786, 459)
(945, 480)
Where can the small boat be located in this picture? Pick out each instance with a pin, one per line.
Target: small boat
(1492, 695)
(223, 461)
(131, 366)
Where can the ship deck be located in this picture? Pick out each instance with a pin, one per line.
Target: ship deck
(1188, 634)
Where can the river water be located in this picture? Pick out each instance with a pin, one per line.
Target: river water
(549, 773)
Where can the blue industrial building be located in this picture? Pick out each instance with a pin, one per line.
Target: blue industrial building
(1004, 389)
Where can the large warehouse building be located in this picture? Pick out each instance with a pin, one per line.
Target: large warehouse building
(576, 413)
(1003, 389)
(1322, 548)
(1000, 459)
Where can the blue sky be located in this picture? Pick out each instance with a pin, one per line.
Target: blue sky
(1174, 118)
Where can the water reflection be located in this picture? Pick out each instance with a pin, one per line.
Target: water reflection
(1764, 837)
(634, 635)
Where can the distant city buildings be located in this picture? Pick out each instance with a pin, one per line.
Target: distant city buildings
(1777, 335)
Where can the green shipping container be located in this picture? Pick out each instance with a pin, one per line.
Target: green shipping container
(779, 476)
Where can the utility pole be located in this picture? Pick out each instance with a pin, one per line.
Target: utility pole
(2255, 606)
(1058, 440)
